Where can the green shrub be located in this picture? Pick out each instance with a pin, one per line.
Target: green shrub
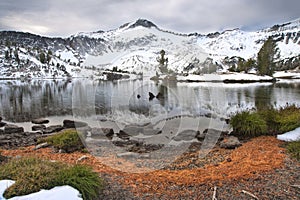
(268, 121)
(67, 140)
(248, 124)
(288, 118)
(294, 149)
(32, 175)
(80, 176)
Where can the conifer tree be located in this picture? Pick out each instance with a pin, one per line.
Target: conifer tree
(266, 56)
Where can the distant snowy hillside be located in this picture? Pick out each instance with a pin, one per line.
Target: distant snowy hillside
(247, 44)
(135, 47)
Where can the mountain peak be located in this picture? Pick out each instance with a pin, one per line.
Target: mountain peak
(140, 22)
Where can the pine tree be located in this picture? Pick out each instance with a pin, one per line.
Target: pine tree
(42, 58)
(6, 54)
(162, 59)
(265, 57)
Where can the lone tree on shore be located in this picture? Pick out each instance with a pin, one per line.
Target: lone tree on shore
(266, 56)
(163, 61)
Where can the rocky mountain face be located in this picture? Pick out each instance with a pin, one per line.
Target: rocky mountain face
(136, 47)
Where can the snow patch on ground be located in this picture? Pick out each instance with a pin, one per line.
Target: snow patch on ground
(290, 136)
(223, 77)
(57, 193)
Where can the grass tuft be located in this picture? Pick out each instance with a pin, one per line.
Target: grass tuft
(67, 140)
(32, 175)
(266, 122)
(294, 149)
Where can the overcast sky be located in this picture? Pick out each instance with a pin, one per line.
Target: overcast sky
(67, 17)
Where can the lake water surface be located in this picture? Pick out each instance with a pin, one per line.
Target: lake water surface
(128, 101)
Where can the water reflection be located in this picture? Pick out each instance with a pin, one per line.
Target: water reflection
(23, 101)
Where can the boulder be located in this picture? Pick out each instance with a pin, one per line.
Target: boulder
(230, 142)
(10, 128)
(2, 124)
(73, 124)
(186, 135)
(123, 135)
(53, 129)
(0, 119)
(38, 127)
(40, 121)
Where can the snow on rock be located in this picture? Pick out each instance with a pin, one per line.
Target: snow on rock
(57, 193)
(290, 136)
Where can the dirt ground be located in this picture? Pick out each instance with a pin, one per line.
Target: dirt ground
(260, 169)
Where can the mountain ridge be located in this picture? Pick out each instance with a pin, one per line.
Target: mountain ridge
(135, 46)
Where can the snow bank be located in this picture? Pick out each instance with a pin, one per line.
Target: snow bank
(57, 193)
(224, 77)
(289, 75)
(4, 184)
(290, 136)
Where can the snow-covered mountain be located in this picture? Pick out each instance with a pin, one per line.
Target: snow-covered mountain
(135, 47)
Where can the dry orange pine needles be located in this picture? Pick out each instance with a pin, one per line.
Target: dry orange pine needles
(261, 154)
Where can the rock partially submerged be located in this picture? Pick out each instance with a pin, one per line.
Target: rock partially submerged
(11, 128)
(39, 127)
(53, 129)
(40, 121)
(73, 124)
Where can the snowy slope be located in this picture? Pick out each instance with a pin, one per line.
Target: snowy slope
(247, 44)
(135, 47)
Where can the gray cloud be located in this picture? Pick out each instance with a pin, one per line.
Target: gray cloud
(63, 18)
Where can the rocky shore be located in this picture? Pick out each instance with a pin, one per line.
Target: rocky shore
(249, 169)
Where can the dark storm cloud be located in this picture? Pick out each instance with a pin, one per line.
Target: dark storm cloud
(62, 18)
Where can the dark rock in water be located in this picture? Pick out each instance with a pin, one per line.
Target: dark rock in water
(151, 96)
(123, 135)
(53, 129)
(186, 135)
(138, 96)
(0, 119)
(110, 133)
(2, 124)
(39, 127)
(200, 136)
(160, 96)
(1, 131)
(40, 121)
(10, 128)
(73, 124)
(230, 142)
